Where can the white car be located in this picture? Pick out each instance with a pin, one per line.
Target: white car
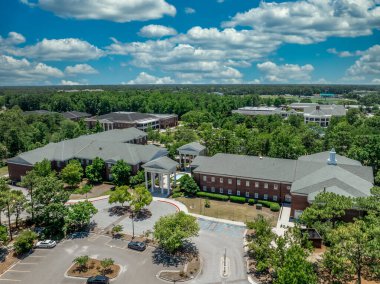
(46, 244)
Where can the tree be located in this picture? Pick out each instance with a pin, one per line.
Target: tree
(139, 198)
(24, 242)
(106, 263)
(95, 171)
(81, 262)
(43, 168)
(188, 185)
(120, 173)
(3, 235)
(116, 230)
(29, 181)
(79, 214)
(72, 174)
(120, 195)
(137, 179)
(18, 205)
(172, 231)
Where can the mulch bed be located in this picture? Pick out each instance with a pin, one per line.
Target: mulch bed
(8, 261)
(93, 268)
(190, 271)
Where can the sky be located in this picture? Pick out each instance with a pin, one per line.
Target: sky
(95, 42)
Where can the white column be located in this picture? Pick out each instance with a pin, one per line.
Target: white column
(180, 160)
(175, 178)
(168, 183)
(146, 179)
(161, 178)
(152, 175)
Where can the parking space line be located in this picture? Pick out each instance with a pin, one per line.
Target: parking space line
(28, 263)
(37, 256)
(21, 271)
(6, 279)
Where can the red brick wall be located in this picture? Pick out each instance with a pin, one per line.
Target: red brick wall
(280, 192)
(299, 202)
(16, 171)
(168, 122)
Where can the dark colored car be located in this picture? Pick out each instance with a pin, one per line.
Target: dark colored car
(137, 246)
(98, 279)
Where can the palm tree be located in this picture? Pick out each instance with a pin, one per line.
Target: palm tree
(81, 262)
(106, 263)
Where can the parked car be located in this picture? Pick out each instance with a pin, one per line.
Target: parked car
(137, 246)
(46, 244)
(98, 279)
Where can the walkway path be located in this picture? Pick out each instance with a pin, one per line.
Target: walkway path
(283, 221)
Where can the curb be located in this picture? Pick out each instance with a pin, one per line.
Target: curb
(72, 201)
(236, 223)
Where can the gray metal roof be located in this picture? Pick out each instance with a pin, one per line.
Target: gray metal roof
(193, 146)
(130, 117)
(107, 145)
(75, 114)
(163, 163)
(323, 156)
(329, 110)
(248, 167)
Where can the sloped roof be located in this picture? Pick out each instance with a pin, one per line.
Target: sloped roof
(323, 156)
(249, 167)
(75, 114)
(162, 163)
(336, 110)
(131, 117)
(193, 146)
(107, 145)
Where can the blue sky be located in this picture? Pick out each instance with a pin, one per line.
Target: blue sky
(61, 42)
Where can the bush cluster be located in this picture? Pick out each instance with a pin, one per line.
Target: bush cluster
(274, 206)
(237, 199)
(213, 196)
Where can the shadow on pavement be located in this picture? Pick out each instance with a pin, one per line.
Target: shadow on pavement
(181, 257)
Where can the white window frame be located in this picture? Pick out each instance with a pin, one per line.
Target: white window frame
(288, 187)
(212, 189)
(265, 196)
(213, 179)
(247, 183)
(247, 194)
(204, 178)
(230, 181)
(266, 185)
(238, 182)
(221, 190)
(229, 191)
(204, 188)
(274, 197)
(256, 195)
(221, 180)
(275, 186)
(238, 192)
(257, 184)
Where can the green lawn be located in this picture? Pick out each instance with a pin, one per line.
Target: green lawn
(227, 210)
(3, 171)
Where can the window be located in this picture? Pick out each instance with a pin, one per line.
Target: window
(58, 163)
(247, 183)
(265, 185)
(220, 190)
(256, 184)
(213, 179)
(256, 195)
(265, 196)
(288, 187)
(275, 186)
(221, 180)
(238, 192)
(247, 194)
(204, 188)
(238, 182)
(229, 181)
(204, 178)
(274, 197)
(229, 191)
(212, 189)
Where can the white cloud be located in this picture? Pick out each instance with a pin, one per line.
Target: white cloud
(112, 10)
(152, 31)
(310, 21)
(220, 1)
(285, 73)
(189, 10)
(345, 53)
(80, 69)
(71, 49)
(12, 39)
(20, 71)
(69, 83)
(376, 81)
(368, 64)
(145, 78)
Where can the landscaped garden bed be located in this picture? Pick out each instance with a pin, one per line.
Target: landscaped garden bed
(190, 271)
(93, 267)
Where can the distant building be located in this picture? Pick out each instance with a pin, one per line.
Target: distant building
(264, 110)
(142, 121)
(283, 180)
(327, 95)
(302, 106)
(75, 115)
(322, 114)
(39, 112)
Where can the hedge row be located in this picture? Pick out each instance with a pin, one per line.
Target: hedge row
(237, 199)
(213, 195)
(275, 207)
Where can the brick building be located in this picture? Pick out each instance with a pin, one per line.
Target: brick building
(283, 180)
(142, 121)
(111, 146)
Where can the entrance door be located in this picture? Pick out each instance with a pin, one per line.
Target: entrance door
(297, 214)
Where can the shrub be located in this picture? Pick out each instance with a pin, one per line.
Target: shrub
(237, 199)
(274, 206)
(207, 203)
(24, 242)
(213, 196)
(251, 201)
(177, 194)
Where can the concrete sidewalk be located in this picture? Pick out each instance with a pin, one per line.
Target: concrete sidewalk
(283, 222)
